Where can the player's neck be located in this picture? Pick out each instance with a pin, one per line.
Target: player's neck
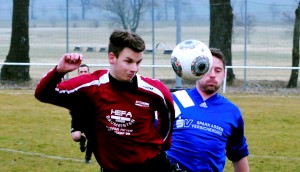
(123, 85)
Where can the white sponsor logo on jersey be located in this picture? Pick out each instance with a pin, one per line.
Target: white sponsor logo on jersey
(142, 104)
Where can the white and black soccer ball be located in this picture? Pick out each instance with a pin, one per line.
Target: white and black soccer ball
(191, 60)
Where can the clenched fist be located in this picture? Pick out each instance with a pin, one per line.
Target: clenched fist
(69, 62)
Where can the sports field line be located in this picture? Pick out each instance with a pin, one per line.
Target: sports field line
(41, 155)
(78, 160)
(12, 92)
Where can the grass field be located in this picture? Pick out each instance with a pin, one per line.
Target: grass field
(35, 136)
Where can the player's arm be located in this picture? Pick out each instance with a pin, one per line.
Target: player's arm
(45, 90)
(237, 148)
(166, 118)
(241, 165)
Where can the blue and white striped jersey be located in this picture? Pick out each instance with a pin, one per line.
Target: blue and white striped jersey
(205, 132)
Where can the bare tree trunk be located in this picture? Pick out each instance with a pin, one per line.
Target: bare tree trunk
(295, 59)
(221, 24)
(19, 45)
(84, 5)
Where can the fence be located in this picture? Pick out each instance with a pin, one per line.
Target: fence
(165, 73)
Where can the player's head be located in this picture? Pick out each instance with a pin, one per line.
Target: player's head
(125, 53)
(120, 39)
(83, 69)
(213, 80)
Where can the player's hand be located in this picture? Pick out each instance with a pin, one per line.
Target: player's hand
(69, 62)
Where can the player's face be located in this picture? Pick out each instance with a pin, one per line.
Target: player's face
(211, 82)
(83, 70)
(125, 67)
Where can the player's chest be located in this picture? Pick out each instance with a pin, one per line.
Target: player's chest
(123, 103)
(205, 120)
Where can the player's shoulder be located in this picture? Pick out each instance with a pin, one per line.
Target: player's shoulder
(224, 99)
(182, 94)
(94, 76)
(227, 103)
(150, 81)
(99, 72)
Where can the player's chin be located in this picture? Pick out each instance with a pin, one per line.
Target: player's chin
(128, 78)
(131, 76)
(211, 89)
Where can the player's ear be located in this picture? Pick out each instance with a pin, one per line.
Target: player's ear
(111, 58)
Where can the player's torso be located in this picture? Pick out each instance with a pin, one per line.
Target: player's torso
(201, 131)
(124, 112)
(125, 123)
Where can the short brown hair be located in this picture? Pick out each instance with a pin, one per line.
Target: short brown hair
(119, 39)
(217, 53)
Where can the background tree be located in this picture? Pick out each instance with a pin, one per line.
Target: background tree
(32, 9)
(19, 44)
(84, 4)
(220, 36)
(126, 13)
(295, 52)
(275, 12)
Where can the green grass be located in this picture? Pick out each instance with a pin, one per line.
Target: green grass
(272, 130)
(35, 136)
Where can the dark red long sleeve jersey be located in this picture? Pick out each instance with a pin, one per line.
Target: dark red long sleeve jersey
(125, 130)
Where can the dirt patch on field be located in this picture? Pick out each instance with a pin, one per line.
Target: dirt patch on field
(238, 86)
(26, 85)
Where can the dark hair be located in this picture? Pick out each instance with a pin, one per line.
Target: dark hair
(217, 53)
(119, 39)
(84, 65)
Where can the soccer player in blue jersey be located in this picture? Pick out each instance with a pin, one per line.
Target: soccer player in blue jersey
(208, 126)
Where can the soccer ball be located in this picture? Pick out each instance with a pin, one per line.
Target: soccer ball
(191, 60)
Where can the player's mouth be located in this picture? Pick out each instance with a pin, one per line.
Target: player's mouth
(130, 76)
(211, 82)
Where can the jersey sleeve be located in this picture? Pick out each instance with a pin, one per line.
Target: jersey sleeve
(237, 147)
(166, 118)
(46, 90)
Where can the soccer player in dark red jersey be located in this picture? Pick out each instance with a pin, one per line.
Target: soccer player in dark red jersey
(125, 105)
(80, 124)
